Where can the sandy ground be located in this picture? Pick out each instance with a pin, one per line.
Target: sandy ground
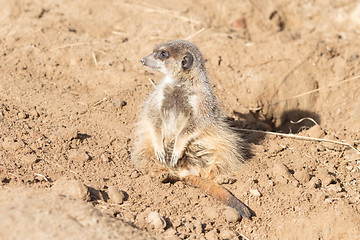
(71, 87)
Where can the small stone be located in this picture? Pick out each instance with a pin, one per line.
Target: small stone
(141, 218)
(129, 217)
(71, 188)
(173, 237)
(327, 180)
(227, 234)
(135, 174)
(179, 185)
(78, 155)
(314, 183)
(353, 57)
(155, 219)
(115, 195)
(231, 215)
(210, 212)
(282, 174)
(22, 115)
(104, 158)
(212, 235)
(225, 180)
(316, 132)
(325, 177)
(198, 227)
(349, 168)
(239, 23)
(66, 134)
(29, 159)
(176, 223)
(34, 113)
(335, 187)
(170, 232)
(302, 176)
(208, 227)
(12, 145)
(255, 192)
(189, 227)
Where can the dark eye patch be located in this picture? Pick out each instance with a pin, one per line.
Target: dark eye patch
(163, 54)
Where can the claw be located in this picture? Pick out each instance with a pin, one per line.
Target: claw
(161, 157)
(174, 159)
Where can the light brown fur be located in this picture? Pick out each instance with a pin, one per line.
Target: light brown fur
(181, 129)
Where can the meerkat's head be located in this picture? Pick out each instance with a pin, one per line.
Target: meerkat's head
(175, 58)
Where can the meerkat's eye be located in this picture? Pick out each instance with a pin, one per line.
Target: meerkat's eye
(163, 54)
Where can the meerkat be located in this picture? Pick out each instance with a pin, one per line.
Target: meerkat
(181, 131)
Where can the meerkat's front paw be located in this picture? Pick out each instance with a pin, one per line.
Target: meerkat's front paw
(161, 156)
(176, 155)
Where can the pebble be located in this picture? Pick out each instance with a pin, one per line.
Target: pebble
(198, 227)
(303, 175)
(72, 189)
(179, 185)
(115, 195)
(210, 212)
(135, 174)
(239, 23)
(173, 237)
(282, 174)
(12, 145)
(29, 159)
(66, 134)
(316, 132)
(231, 215)
(225, 180)
(255, 192)
(104, 158)
(170, 232)
(189, 227)
(22, 115)
(78, 155)
(211, 235)
(155, 219)
(176, 223)
(314, 183)
(325, 177)
(208, 227)
(34, 113)
(335, 187)
(129, 217)
(227, 234)
(349, 168)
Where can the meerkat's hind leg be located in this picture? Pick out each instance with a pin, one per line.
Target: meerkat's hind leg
(181, 142)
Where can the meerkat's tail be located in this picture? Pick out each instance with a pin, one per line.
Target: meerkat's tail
(218, 192)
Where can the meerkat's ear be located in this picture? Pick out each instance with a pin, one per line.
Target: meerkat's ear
(187, 61)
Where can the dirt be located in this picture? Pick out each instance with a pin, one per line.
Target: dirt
(72, 86)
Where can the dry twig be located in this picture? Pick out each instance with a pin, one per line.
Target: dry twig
(307, 118)
(301, 137)
(40, 175)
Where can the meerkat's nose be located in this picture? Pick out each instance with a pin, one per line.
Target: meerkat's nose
(142, 61)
